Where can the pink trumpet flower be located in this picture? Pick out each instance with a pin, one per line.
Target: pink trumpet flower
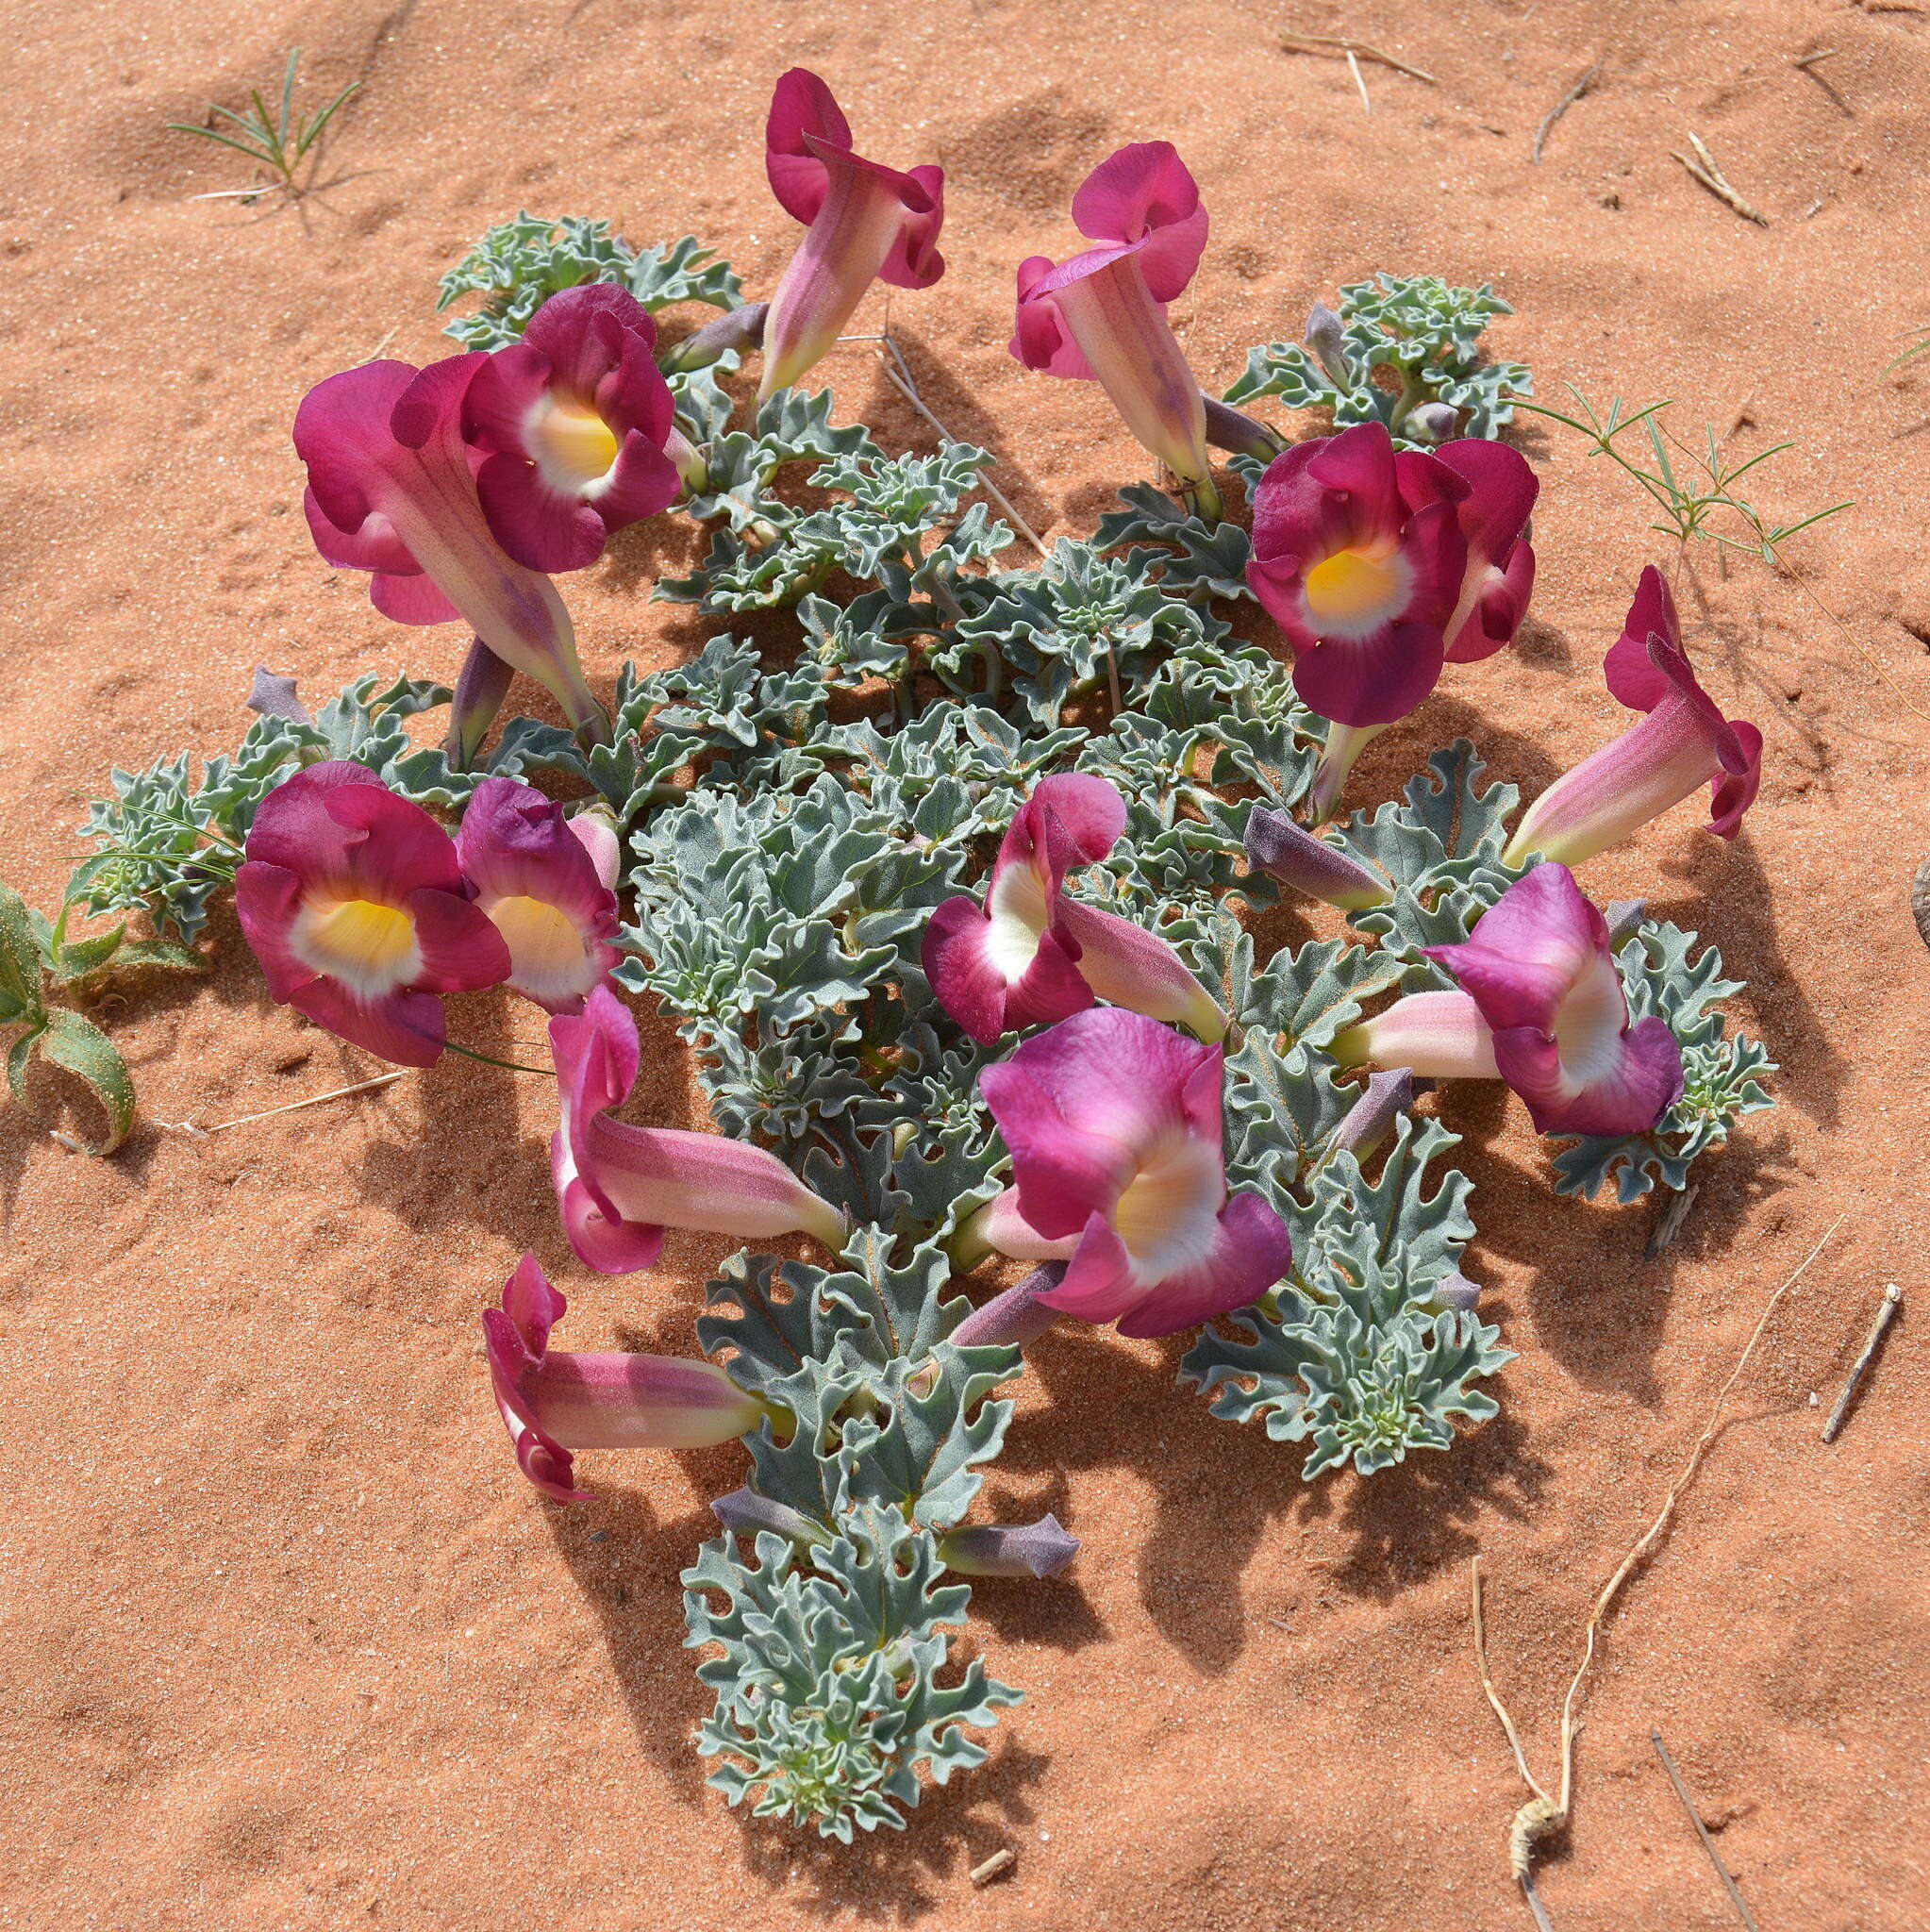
(865, 222)
(576, 419)
(618, 1187)
(1381, 566)
(544, 881)
(1114, 1125)
(1682, 744)
(355, 905)
(1542, 1006)
(554, 1403)
(1100, 315)
(1030, 954)
(391, 490)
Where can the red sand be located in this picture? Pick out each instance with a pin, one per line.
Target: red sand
(290, 1644)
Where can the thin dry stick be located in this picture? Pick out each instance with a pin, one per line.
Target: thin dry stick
(1863, 650)
(1507, 1723)
(1540, 1816)
(1561, 108)
(1353, 49)
(1359, 80)
(1702, 1831)
(268, 1113)
(1892, 1303)
(1705, 168)
(983, 1874)
(903, 382)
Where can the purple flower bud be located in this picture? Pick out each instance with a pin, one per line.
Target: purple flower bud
(1624, 917)
(741, 329)
(1457, 1294)
(1276, 846)
(1371, 1118)
(1027, 1549)
(1018, 1316)
(744, 1512)
(1233, 430)
(1329, 345)
(274, 696)
(1432, 423)
(481, 688)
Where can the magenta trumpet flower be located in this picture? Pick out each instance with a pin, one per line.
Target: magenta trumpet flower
(354, 903)
(554, 1403)
(392, 490)
(575, 420)
(544, 881)
(618, 1187)
(1030, 954)
(1381, 566)
(1114, 1124)
(1100, 315)
(1682, 744)
(1542, 1006)
(865, 222)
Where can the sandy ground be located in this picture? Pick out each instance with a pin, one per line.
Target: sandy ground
(289, 1644)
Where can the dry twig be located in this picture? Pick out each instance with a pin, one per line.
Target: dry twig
(1561, 108)
(1353, 50)
(189, 1128)
(1359, 80)
(1892, 1306)
(1705, 168)
(1702, 1831)
(905, 383)
(1542, 1816)
(1668, 1223)
(983, 1874)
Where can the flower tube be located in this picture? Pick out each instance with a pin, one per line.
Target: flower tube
(618, 1187)
(575, 418)
(1030, 954)
(554, 1403)
(1382, 566)
(544, 880)
(1539, 982)
(1682, 744)
(1114, 1124)
(354, 903)
(390, 491)
(864, 223)
(1100, 315)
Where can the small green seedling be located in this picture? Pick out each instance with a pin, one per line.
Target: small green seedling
(38, 958)
(280, 144)
(1690, 487)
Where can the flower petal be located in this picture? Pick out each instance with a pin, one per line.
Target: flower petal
(1633, 674)
(1146, 190)
(801, 104)
(1627, 1096)
(1528, 950)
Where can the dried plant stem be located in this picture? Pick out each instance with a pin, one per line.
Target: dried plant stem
(1542, 1816)
(1705, 168)
(1702, 1831)
(1892, 1306)
(1353, 50)
(292, 1106)
(983, 1874)
(1359, 80)
(902, 379)
(1561, 108)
